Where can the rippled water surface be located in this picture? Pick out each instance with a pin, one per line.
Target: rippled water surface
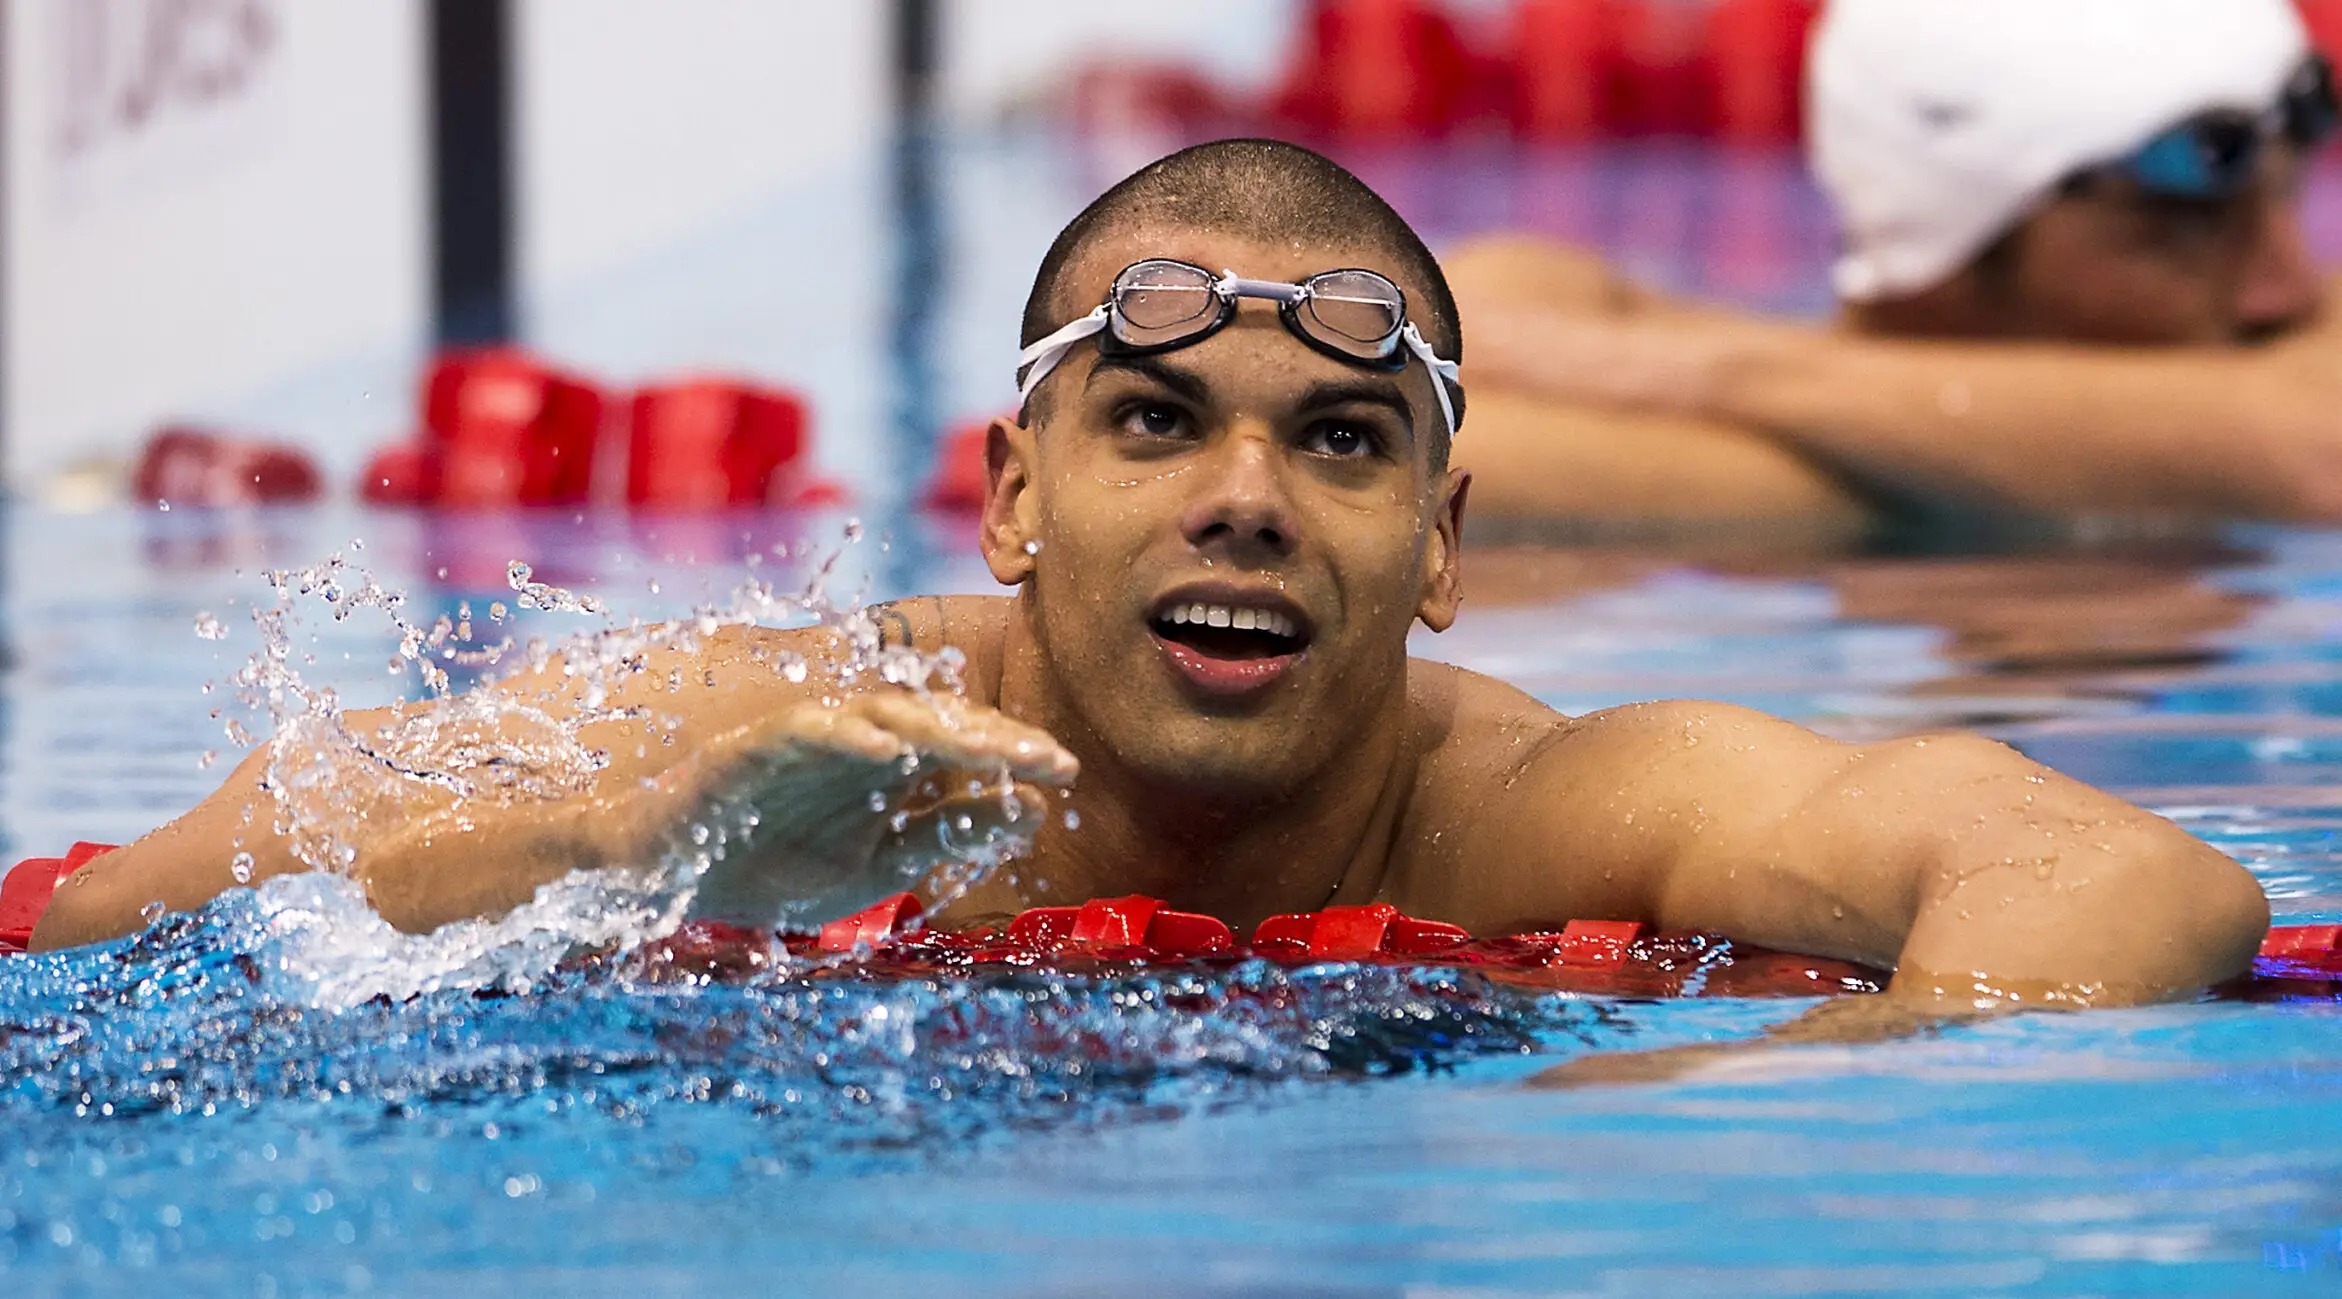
(185, 1117)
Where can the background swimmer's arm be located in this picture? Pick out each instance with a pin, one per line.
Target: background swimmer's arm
(1538, 455)
(1977, 874)
(2041, 427)
(723, 726)
(1536, 459)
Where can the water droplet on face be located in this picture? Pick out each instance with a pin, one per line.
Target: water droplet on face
(240, 866)
(1073, 819)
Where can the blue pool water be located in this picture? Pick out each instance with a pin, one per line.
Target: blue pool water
(184, 1116)
(199, 1112)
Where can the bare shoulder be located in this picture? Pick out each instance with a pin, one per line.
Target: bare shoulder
(741, 661)
(1478, 729)
(975, 625)
(1525, 816)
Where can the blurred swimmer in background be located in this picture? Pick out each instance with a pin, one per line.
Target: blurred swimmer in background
(2074, 282)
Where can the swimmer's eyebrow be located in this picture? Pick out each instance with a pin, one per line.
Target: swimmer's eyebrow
(1320, 396)
(1373, 392)
(1184, 383)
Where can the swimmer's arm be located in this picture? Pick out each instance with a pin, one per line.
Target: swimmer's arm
(1536, 455)
(1979, 876)
(430, 859)
(2036, 427)
(426, 859)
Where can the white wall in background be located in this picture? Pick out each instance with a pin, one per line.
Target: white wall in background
(701, 187)
(207, 199)
(644, 123)
(998, 54)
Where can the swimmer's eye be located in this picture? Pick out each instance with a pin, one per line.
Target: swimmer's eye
(1342, 439)
(2184, 224)
(1153, 419)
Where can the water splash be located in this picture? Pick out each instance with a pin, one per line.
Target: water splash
(330, 775)
(224, 1008)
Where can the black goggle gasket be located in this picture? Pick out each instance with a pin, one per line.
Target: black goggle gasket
(2228, 141)
(2312, 112)
(1388, 354)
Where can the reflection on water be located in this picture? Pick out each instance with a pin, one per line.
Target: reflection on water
(192, 1113)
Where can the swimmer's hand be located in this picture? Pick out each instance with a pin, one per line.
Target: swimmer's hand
(825, 809)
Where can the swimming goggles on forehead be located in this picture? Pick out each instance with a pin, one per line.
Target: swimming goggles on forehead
(1354, 316)
(2214, 155)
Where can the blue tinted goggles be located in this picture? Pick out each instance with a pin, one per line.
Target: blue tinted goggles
(2215, 155)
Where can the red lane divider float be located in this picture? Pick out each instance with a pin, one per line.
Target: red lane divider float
(1604, 957)
(25, 892)
(503, 428)
(1410, 70)
(186, 466)
(713, 443)
(961, 477)
(1113, 935)
(500, 428)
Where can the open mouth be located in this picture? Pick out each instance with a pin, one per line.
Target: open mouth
(1230, 632)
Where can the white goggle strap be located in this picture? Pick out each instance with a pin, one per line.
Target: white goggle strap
(1043, 356)
(1443, 373)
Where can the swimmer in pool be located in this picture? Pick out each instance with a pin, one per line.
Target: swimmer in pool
(2074, 282)
(1225, 503)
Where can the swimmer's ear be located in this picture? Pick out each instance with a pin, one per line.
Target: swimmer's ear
(1009, 525)
(1443, 554)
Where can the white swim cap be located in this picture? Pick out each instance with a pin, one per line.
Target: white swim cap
(1935, 124)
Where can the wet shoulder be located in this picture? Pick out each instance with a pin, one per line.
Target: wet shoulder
(971, 624)
(1475, 738)
(975, 625)
(1473, 732)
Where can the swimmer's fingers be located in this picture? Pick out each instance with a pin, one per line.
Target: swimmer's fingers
(842, 731)
(1627, 1068)
(945, 731)
(1847, 1021)
(941, 733)
(970, 816)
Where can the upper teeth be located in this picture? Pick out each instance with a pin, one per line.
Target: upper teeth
(1221, 615)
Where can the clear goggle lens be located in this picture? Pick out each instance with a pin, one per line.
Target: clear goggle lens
(1358, 312)
(1160, 302)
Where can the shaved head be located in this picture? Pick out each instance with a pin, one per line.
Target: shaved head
(1265, 190)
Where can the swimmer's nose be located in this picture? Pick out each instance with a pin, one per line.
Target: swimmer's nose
(1241, 505)
(2280, 286)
